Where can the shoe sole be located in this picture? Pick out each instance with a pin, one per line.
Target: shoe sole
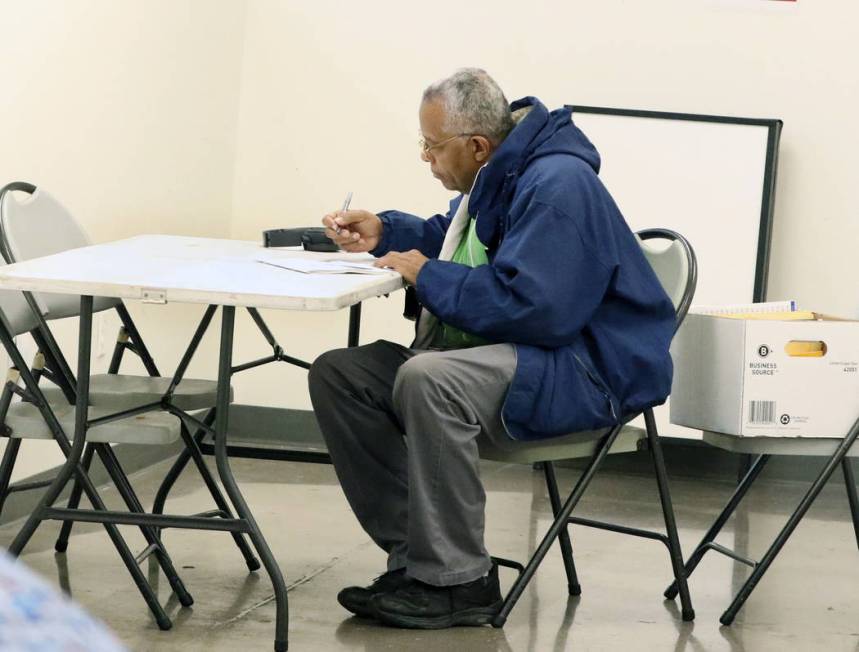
(474, 617)
(368, 612)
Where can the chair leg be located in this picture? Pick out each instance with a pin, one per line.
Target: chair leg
(192, 446)
(686, 610)
(850, 482)
(12, 445)
(62, 542)
(6, 467)
(36, 518)
(739, 493)
(558, 524)
(169, 480)
(179, 466)
(564, 535)
(126, 491)
(192, 451)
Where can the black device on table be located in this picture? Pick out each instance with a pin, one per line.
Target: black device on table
(312, 238)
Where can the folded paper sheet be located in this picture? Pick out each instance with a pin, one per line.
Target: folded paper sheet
(321, 266)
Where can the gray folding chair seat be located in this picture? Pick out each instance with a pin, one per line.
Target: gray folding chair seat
(25, 421)
(573, 446)
(123, 391)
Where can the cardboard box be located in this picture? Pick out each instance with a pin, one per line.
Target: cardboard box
(757, 378)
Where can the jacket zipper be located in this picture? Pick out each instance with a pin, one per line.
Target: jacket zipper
(599, 385)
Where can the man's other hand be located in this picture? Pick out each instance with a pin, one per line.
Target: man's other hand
(407, 263)
(353, 230)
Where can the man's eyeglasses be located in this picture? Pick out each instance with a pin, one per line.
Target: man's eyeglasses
(426, 148)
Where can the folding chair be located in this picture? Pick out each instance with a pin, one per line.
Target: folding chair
(676, 268)
(40, 226)
(838, 452)
(34, 417)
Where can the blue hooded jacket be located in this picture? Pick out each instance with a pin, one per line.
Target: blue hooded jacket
(566, 282)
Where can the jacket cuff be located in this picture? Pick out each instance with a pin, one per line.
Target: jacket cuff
(385, 241)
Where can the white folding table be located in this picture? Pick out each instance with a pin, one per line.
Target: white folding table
(164, 269)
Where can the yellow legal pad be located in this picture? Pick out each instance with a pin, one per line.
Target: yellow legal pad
(773, 316)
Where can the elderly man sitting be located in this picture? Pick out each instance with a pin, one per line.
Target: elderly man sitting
(540, 317)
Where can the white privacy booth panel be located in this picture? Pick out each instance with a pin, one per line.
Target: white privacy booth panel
(710, 178)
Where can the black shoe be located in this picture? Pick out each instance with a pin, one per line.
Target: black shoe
(357, 598)
(422, 606)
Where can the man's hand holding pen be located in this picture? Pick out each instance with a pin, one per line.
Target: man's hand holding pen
(356, 231)
(353, 230)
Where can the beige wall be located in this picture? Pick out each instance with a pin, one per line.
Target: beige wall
(224, 118)
(330, 93)
(127, 112)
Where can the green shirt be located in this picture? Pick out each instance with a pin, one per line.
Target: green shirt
(471, 252)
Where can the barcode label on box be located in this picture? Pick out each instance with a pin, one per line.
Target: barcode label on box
(761, 411)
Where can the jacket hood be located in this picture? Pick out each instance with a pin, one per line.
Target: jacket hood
(540, 133)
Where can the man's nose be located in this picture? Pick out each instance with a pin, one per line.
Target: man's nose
(425, 156)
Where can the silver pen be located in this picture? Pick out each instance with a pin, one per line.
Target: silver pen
(346, 203)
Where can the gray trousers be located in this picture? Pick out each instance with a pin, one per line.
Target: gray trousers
(401, 426)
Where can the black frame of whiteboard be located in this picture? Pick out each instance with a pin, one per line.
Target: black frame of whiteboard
(770, 168)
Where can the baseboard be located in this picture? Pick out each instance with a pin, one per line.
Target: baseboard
(683, 457)
(280, 427)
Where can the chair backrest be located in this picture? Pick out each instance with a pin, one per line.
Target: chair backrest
(38, 225)
(675, 267)
(15, 311)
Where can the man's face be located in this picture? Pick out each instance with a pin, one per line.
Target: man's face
(454, 158)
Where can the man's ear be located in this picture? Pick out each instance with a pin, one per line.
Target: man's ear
(481, 148)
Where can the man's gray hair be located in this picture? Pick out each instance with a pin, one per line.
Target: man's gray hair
(474, 104)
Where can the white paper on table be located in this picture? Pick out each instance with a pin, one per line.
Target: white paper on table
(316, 266)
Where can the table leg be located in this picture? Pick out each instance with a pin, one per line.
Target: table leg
(230, 485)
(807, 500)
(850, 482)
(711, 534)
(191, 445)
(354, 325)
(62, 542)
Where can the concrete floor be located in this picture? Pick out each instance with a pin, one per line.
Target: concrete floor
(806, 602)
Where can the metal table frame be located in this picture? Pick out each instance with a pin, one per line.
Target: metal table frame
(255, 452)
(838, 457)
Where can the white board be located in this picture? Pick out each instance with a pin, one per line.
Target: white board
(710, 178)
